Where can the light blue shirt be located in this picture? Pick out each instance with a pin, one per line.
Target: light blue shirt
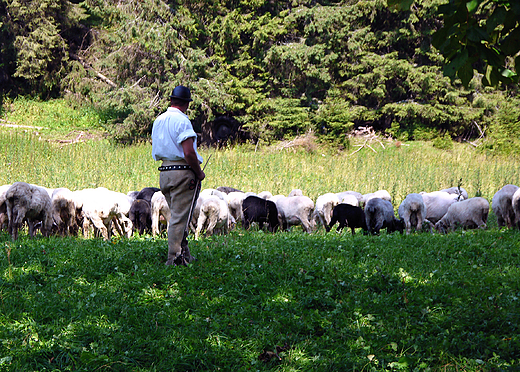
(169, 130)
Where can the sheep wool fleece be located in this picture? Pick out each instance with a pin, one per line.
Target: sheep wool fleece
(178, 187)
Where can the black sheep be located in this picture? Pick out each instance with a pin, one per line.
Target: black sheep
(348, 216)
(259, 210)
(141, 216)
(147, 193)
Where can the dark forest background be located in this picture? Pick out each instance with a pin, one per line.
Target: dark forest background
(268, 70)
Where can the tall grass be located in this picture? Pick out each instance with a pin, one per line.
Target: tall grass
(398, 169)
(52, 116)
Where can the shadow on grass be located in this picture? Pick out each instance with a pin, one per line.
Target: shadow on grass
(329, 301)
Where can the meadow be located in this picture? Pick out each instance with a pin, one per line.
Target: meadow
(255, 301)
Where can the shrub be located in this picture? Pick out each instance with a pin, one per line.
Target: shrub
(443, 142)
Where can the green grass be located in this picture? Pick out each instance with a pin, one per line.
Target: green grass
(49, 118)
(336, 302)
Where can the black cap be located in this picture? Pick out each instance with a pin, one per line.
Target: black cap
(181, 92)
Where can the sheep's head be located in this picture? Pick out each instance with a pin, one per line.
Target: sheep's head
(400, 225)
(441, 226)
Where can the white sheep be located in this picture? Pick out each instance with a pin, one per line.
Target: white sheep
(437, 204)
(102, 208)
(379, 214)
(196, 208)
(159, 209)
(470, 213)
(413, 212)
(295, 192)
(235, 199)
(381, 194)
(346, 197)
(458, 191)
(63, 209)
(350, 200)
(3, 206)
(502, 205)
(296, 210)
(31, 203)
(207, 192)
(276, 197)
(516, 207)
(265, 195)
(324, 206)
(213, 215)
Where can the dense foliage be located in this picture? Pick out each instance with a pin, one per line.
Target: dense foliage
(280, 68)
(481, 35)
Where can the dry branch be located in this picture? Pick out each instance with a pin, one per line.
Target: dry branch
(369, 135)
(89, 67)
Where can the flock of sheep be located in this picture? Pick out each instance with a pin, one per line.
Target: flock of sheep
(105, 212)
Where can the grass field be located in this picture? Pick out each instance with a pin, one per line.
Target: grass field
(255, 301)
(329, 302)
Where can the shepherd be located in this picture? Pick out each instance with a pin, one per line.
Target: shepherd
(174, 142)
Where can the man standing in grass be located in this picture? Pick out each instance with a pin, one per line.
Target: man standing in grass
(174, 142)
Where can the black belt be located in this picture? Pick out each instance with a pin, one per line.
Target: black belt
(173, 167)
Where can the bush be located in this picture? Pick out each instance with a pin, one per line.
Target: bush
(443, 142)
(503, 131)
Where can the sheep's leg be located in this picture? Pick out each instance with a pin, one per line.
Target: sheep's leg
(155, 222)
(342, 224)
(306, 225)
(211, 225)
(100, 226)
(16, 227)
(115, 225)
(327, 214)
(17, 224)
(86, 227)
(30, 225)
(3, 219)
(200, 225)
(126, 225)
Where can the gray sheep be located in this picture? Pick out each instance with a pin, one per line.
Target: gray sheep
(413, 212)
(437, 204)
(64, 210)
(502, 205)
(379, 214)
(470, 213)
(296, 210)
(31, 203)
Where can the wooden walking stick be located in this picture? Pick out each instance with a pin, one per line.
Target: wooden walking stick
(186, 256)
(195, 195)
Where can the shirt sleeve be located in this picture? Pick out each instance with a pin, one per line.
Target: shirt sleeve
(186, 133)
